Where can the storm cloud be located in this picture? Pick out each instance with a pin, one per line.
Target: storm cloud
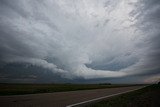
(88, 39)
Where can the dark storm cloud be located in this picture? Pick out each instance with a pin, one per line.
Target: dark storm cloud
(82, 39)
(147, 15)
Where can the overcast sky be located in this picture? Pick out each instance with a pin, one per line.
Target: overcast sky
(78, 40)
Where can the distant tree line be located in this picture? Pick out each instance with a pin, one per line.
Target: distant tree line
(104, 83)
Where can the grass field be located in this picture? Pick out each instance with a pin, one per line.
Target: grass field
(18, 89)
(146, 97)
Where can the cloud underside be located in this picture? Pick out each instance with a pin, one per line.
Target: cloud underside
(88, 39)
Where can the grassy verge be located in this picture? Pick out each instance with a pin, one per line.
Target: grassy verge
(18, 89)
(146, 97)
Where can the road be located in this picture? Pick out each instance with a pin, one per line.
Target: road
(60, 99)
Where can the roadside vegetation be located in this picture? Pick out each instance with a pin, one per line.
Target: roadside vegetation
(146, 97)
(18, 89)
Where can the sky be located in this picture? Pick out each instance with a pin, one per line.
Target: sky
(80, 41)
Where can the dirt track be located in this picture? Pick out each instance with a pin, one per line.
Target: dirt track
(58, 99)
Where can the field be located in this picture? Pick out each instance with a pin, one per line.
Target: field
(18, 89)
(146, 97)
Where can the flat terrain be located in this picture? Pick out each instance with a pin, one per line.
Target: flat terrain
(20, 89)
(146, 97)
(59, 99)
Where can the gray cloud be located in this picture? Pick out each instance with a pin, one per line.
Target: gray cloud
(147, 16)
(82, 39)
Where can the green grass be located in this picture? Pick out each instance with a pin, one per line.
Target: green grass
(146, 97)
(18, 89)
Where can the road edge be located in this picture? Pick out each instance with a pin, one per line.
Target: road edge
(100, 98)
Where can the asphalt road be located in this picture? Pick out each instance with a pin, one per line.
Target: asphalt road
(59, 99)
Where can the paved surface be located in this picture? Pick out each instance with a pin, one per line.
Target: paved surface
(59, 99)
